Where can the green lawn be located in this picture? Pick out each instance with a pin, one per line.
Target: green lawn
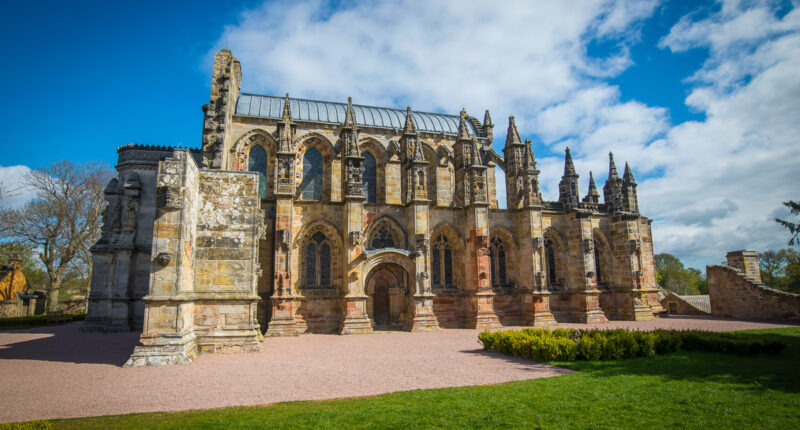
(685, 390)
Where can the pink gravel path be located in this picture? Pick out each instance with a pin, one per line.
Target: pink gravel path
(60, 372)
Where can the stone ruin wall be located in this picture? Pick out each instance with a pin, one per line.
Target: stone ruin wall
(736, 291)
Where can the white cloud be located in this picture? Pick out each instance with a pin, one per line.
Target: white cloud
(711, 186)
(10, 178)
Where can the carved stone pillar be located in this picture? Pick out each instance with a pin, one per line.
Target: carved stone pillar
(482, 298)
(420, 316)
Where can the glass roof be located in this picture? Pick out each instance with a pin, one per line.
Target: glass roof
(260, 106)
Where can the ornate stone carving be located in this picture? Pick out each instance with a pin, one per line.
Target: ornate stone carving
(284, 182)
(169, 198)
(422, 243)
(355, 238)
(283, 238)
(537, 243)
(634, 245)
(588, 246)
(164, 258)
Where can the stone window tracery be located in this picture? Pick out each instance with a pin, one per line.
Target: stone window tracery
(370, 177)
(318, 262)
(383, 237)
(441, 262)
(312, 175)
(497, 257)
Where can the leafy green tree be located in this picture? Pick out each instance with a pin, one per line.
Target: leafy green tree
(794, 228)
(781, 269)
(671, 275)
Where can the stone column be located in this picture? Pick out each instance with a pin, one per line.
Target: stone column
(632, 285)
(355, 319)
(535, 299)
(282, 301)
(420, 309)
(482, 297)
(585, 297)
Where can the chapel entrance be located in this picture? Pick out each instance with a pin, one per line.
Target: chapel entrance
(385, 290)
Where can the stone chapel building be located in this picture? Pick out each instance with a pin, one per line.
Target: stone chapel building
(301, 216)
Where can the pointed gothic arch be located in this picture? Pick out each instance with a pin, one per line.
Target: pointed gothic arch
(502, 256)
(319, 248)
(604, 275)
(555, 260)
(314, 171)
(383, 231)
(374, 170)
(447, 253)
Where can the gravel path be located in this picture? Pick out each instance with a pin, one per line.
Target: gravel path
(60, 372)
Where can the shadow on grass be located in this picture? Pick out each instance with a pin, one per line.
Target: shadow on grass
(67, 343)
(522, 363)
(752, 372)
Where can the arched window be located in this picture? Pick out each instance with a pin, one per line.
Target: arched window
(497, 257)
(442, 262)
(312, 175)
(257, 162)
(318, 262)
(370, 177)
(550, 256)
(598, 265)
(382, 238)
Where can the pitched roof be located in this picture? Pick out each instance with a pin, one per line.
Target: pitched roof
(263, 106)
(699, 301)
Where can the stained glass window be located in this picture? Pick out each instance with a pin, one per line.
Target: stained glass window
(318, 262)
(448, 266)
(370, 177)
(436, 267)
(497, 256)
(442, 262)
(311, 265)
(550, 255)
(312, 175)
(257, 161)
(597, 265)
(324, 265)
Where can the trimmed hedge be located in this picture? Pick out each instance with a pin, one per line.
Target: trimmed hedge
(595, 344)
(36, 320)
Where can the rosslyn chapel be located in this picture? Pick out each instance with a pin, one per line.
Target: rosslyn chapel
(302, 216)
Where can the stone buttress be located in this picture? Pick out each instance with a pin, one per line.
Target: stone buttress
(202, 295)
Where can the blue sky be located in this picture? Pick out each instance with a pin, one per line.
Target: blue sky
(697, 95)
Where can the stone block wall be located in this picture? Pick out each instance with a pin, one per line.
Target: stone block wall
(745, 262)
(10, 308)
(735, 295)
(203, 294)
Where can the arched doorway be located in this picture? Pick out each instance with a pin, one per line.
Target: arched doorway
(386, 301)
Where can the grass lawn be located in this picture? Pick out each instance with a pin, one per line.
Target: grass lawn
(685, 390)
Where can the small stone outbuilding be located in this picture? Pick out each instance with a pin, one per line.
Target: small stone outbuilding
(686, 305)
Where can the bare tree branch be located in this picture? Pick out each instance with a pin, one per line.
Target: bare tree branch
(63, 221)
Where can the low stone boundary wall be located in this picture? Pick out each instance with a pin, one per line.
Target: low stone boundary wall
(734, 295)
